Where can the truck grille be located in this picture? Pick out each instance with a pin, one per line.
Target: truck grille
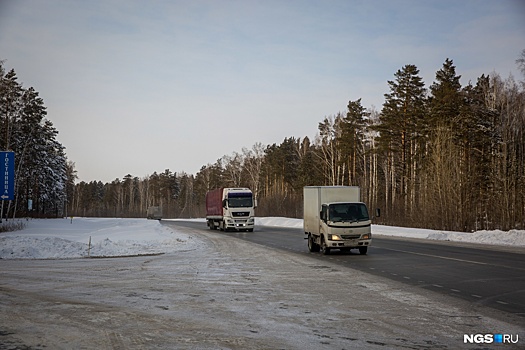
(350, 236)
(241, 213)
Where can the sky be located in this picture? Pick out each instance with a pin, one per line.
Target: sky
(135, 87)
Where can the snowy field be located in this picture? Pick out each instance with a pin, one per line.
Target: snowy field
(106, 237)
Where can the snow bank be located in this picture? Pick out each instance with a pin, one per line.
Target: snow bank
(279, 221)
(96, 237)
(512, 238)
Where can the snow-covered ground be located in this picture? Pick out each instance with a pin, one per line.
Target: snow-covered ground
(94, 237)
(98, 237)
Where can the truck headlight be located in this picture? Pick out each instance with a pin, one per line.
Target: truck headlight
(365, 236)
(334, 238)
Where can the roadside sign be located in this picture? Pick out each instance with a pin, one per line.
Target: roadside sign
(7, 160)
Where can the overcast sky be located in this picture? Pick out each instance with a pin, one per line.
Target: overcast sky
(135, 87)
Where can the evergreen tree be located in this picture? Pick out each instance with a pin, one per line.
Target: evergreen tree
(401, 128)
(351, 141)
(446, 99)
(10, 104)
(444, 202)
(310, 169)
(40, 160)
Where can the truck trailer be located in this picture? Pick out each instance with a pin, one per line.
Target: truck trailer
(335, 218)
(230, 209)
(154, 213)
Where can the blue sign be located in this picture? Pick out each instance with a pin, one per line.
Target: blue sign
(7, 164)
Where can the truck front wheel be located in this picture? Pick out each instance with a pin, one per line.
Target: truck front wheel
(312, 246)
(363, 250)
(324, 248)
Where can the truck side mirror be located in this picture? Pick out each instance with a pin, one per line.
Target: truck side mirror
(322, 216)
(378, 212)
(255, 203)
(224, 203)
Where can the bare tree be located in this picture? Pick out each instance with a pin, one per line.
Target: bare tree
(253, 162)
(329, 155)
(233, 168)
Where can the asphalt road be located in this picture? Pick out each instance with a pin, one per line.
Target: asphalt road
(485, 275)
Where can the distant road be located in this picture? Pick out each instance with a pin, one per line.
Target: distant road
(489, 276)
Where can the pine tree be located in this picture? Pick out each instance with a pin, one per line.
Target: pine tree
(351, 141)
(443, 177)
(401, 128)
(10, 104)
(446, 99)
(40, 160)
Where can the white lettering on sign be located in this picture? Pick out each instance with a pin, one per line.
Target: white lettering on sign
(6, 190)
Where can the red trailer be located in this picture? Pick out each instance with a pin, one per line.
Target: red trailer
(214, 202)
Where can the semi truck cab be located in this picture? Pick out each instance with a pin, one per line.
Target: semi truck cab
(230, 209)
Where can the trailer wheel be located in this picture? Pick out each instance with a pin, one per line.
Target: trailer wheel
(324, 249)
(363, 250)
(312, 246)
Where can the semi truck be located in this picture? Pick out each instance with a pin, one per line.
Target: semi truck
(230, 209)
(335, 218)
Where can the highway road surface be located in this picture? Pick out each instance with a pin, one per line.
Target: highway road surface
(490, 276)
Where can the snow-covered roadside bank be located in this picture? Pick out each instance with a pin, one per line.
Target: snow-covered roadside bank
(512, 238)
(96, 237)
(66, 238)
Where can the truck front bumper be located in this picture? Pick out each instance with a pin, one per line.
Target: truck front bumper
(240, 224)
(353, 243)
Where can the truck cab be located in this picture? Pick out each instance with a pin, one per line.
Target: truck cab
(335, 218)
(230, 209)
(344, 226)
(238, 206)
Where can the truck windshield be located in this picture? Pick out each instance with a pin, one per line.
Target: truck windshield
(348, 212)
(239, 200)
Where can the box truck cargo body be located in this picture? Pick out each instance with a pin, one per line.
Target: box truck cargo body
(154, 213)
(230, 208)
(335, 218)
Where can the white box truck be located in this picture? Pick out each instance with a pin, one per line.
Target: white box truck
(335, 218)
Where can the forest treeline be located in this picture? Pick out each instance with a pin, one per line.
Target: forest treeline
(42, 171)
(446, 156)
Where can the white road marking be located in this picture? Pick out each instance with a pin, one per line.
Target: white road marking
(437, 256)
